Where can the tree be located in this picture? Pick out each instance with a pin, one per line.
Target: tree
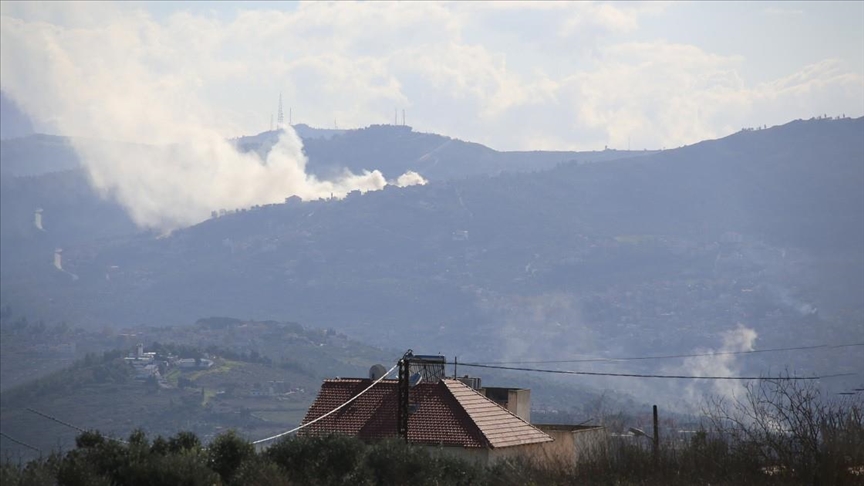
(228, 452)
(788, 424)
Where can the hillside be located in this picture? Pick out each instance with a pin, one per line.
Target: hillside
(42, 173)
(659, 254)
(396, 149)
(262, 378)
(257, 378)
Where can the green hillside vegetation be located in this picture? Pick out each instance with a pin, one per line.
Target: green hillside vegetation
(750, 228)
(260, 383)
(100, 389)
(791, 436)
(30, 349)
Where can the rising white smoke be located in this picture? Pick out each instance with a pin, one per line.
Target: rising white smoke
(410, 178)
(734, 341)
(148, 142)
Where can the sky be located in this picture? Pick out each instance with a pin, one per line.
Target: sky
(511, 75)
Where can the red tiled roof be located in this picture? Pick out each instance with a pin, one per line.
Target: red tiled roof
(500, 426)
(445, 413)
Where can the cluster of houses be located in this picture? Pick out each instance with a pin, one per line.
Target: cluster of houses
(146, 365)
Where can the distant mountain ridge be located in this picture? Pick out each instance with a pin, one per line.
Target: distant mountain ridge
(762, 211)
(389, 148)
(15, 123)
(44, 172)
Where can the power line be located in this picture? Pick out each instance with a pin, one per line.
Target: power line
(641, 375)
(673, 356)
(21, 443)
(260, 441)
(79, 429)
(67, 424)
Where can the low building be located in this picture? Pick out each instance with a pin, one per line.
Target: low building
(445, 414)
(574, 443)
(192, 363)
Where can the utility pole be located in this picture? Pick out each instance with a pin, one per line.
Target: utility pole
(404, 387)
(656, 441)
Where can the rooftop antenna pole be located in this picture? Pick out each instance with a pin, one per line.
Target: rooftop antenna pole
(404, 387)
(280, 117)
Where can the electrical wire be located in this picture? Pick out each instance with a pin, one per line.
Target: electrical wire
(307, 424)
(673, 356)
(641, 375)
(79, 429)
(3, 434)
(67, 424)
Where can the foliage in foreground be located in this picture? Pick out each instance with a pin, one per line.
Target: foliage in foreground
(779, 432)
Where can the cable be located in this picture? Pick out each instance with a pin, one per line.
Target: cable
(671, 356)
(260, 441)
(638, 375)
(79, 429)
(21, 443)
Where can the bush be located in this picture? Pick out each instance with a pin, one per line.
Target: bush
(228, 452)
(320, 460)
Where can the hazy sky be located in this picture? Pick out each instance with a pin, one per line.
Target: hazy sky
(510, 75)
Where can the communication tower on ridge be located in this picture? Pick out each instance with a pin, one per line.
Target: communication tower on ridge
(280, 116)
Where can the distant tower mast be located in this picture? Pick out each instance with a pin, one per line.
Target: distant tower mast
(403, 118)
(395, 116)
(280, 117)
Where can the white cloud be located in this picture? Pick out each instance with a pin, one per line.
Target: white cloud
(783, 12)
(498, 73)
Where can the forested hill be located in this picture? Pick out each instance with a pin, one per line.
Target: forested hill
(435, 255)
(394, 149)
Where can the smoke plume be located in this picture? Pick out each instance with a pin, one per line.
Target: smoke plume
(740, 339)
(410, 178)
(141, 132)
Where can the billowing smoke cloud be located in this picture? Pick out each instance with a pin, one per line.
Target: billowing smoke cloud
(142, 133)
(740, 339)
(410, 178)
(171, 186)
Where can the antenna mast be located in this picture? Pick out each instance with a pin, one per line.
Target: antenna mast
(403, 117)
(280, 117)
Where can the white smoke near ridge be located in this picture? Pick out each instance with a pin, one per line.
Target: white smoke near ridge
(116, 84)
(410, 178)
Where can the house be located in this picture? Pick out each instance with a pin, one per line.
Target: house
(444, 414)
(145, 372)
(192, 363)
(570, 443)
